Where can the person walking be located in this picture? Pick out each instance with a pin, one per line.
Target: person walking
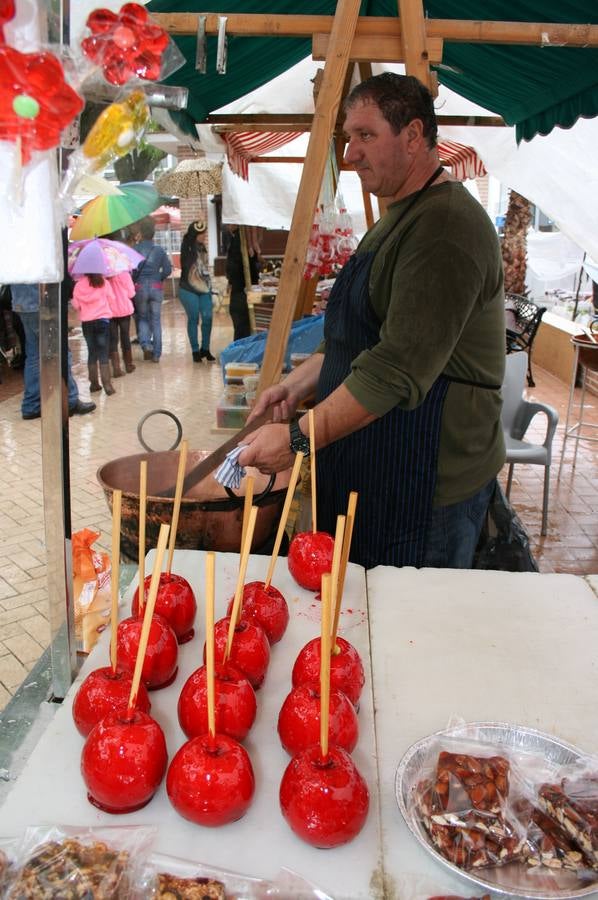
(25, 302)
(92, 298)
(121, 304)
(149, 277)
(408, 378)
(195, 290)
(235, 274)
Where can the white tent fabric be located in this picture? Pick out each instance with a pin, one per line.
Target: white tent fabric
(557, 172)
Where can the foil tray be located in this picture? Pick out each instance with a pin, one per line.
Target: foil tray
(515, 879)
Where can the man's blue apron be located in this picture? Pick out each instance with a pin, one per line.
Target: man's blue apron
(392, 462)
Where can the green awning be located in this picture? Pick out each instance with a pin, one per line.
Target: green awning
(533, 88)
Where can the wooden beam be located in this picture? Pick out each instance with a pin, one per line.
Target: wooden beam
(543, 34)
(376, 48)
(291, 276)
(414, 41)
(288, 119)
(257, 122)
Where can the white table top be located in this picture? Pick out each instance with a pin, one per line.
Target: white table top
(50, 788)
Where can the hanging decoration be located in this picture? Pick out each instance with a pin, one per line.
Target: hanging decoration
(128, 45)
(7, 12)
(332, 240)
(36, 103)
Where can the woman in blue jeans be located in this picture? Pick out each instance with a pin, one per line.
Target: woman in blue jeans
(149, 280)
(196, 303)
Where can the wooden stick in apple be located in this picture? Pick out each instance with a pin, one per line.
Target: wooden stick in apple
(115, 573)
(234, 616)
(178, 496)
(312, 454)
(247, 506)
(340, 581)
(336, 563)
(325, 666)
(142, 517)
(147, 616)
(284, 516)
(210, 567)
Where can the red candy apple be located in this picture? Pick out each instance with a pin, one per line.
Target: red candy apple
(234, 701)
(250, 651)
(160, 663)
(266, 607)
(299, 720)
(105, 691)
(210, 780)
(123, 761)
(310, 556)
(325, 801)
(175, 603)
(346, 668)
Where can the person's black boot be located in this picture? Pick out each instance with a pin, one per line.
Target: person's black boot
(81, 408)
(205, 354)
(197, 357)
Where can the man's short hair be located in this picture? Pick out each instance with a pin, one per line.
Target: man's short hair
(147, 227)
(400, 98)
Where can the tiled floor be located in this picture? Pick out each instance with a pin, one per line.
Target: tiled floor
(191, 391)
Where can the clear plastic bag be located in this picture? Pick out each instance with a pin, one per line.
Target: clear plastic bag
(101, 863)
(570, 801)
(8, 855)
(418, 887)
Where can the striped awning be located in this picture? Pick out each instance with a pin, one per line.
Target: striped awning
(242, 147)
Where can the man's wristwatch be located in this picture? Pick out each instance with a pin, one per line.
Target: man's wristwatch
(299, 442)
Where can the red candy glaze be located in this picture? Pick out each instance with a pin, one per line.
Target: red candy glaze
(250, 651)
(125, 44)
(310, 557)
(210, 780)
(324, 801)
(160, 663)
(299, 720)
(234, 700)
(266, 607)
(123, 762)
(175, 602)
(105, 691)
(346, 668)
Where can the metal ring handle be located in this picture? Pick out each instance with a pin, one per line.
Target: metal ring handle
(258, 497)
(156, 412)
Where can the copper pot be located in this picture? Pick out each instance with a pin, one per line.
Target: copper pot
(209, 519)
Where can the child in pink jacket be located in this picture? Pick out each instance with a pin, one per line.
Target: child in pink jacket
(123, 291)
(92, 298)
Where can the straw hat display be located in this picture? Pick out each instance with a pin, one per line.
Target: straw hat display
(192, 178)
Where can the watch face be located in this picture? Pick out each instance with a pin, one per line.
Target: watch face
(299, 442)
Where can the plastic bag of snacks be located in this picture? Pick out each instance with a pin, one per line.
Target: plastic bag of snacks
(91, 588)
(66, 861)
(8, 853)
(418, 887)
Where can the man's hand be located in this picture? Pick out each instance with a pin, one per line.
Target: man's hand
(268, 449)
(276, 401)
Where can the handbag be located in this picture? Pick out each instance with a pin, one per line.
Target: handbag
(198, 281)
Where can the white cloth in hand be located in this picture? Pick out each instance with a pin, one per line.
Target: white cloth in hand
(230, 472)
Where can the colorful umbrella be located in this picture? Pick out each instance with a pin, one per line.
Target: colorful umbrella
(101, 257)
(109, 213)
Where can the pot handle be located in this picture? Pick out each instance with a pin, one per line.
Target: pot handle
(159, 412)
(258, 497)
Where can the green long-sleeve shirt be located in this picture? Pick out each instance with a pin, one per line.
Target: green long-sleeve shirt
(436, 285)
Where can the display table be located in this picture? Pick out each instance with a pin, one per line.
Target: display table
(481, 646)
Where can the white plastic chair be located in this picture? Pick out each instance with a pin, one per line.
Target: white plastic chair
(517, 414)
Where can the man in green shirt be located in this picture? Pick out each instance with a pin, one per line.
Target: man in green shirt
(408, 379)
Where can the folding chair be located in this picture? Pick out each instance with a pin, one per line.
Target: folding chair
(523, 320)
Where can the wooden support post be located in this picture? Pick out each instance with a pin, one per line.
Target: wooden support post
(343, 30)
(414, 41)
(365, 72)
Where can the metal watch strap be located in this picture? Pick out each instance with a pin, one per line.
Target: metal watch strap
(299, 443)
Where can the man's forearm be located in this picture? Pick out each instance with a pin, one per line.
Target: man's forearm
(337, 416)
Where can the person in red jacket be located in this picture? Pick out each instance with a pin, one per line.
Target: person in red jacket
(92, 298)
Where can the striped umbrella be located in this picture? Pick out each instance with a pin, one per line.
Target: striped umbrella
(106, 214)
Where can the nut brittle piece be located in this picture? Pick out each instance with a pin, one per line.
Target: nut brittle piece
(548, 844)
(70, 869)
(485, 780)
(171, 887)
(574, 805)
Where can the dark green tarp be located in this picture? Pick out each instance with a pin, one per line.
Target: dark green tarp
(533, 88)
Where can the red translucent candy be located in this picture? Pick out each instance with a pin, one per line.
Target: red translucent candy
(299, 720)
(125, 44)
(325, 801)
(310, 557)
(175, 602)
(234, 700)
(35, 100)
(266, 607)
(161, 656)
(250, 651)
(346, 668)
(102, 692)
(123, 762)
(210, 781)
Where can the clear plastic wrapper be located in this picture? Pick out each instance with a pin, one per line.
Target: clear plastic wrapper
(571, 801)
(8, 855)
(128, 45)
(419, 887)
(66, 861)
(549, 845)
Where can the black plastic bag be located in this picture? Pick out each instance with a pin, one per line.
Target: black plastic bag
(503, 542)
